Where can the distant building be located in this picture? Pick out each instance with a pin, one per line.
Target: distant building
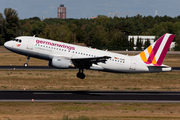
(61, 12)
(145, 38)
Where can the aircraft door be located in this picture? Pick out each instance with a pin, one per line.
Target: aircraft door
(133, 64)
(30, 44)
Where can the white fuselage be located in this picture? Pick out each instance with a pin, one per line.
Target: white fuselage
(47, 49)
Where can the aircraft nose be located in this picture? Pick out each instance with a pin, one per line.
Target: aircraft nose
(7, 44)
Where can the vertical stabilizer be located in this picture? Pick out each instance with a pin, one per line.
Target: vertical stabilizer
(156, 52)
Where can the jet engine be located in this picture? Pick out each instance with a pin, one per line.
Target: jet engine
(60, 62)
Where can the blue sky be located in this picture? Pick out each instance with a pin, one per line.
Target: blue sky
(91, 8)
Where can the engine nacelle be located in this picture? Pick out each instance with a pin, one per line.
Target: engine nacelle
(60, 62)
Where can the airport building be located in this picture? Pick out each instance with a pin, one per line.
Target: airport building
(61, 12)
(152, 39)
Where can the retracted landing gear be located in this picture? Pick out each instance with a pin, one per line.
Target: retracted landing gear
(26, 64)
(80, 74)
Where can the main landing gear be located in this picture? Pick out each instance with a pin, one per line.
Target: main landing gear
(26, 64)
(80, 74)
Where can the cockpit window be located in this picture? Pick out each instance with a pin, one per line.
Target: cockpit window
(17, 40)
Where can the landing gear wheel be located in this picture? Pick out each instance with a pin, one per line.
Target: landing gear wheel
(25, 65)
(80, 75)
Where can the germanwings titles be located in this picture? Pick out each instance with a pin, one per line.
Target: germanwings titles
(63, 55)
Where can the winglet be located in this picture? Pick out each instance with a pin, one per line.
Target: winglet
(156, 52)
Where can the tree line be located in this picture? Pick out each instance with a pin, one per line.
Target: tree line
(102, 32)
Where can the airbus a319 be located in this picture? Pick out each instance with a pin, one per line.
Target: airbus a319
(63, 55)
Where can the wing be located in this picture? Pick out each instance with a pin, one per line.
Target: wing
(87, 62)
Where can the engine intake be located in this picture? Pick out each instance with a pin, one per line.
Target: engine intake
(60, 62)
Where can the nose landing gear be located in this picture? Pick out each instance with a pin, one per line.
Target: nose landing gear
(80, 74)
(26, 64)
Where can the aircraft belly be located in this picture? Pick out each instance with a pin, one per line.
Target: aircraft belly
(113, 67)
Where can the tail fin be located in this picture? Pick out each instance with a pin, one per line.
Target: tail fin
(156, 52)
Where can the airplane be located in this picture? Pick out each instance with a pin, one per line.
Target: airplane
(64, 55)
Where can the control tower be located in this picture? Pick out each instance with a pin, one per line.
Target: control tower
(61, 12)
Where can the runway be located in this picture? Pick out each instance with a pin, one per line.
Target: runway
(90, 96)
(48, 68)
(86, 96)
(28, 68)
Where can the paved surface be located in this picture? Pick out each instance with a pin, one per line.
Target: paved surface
(90, 96)
(47, 68)
(28, 68)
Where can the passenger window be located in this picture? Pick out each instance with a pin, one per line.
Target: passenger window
(16, 40)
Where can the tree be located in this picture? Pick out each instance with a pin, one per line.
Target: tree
(80, 35)
(37, 28)
(101, 20)
(73, 28)
(58, 32)
(177, 39)
(177, 45)
(116, 41)
(26, 29)
(138, 44)
(131, 44)
(147, 43)
(1, 29)
(100, 37)
(12, 24)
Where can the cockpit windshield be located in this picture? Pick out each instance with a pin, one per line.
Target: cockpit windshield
(17, 40)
